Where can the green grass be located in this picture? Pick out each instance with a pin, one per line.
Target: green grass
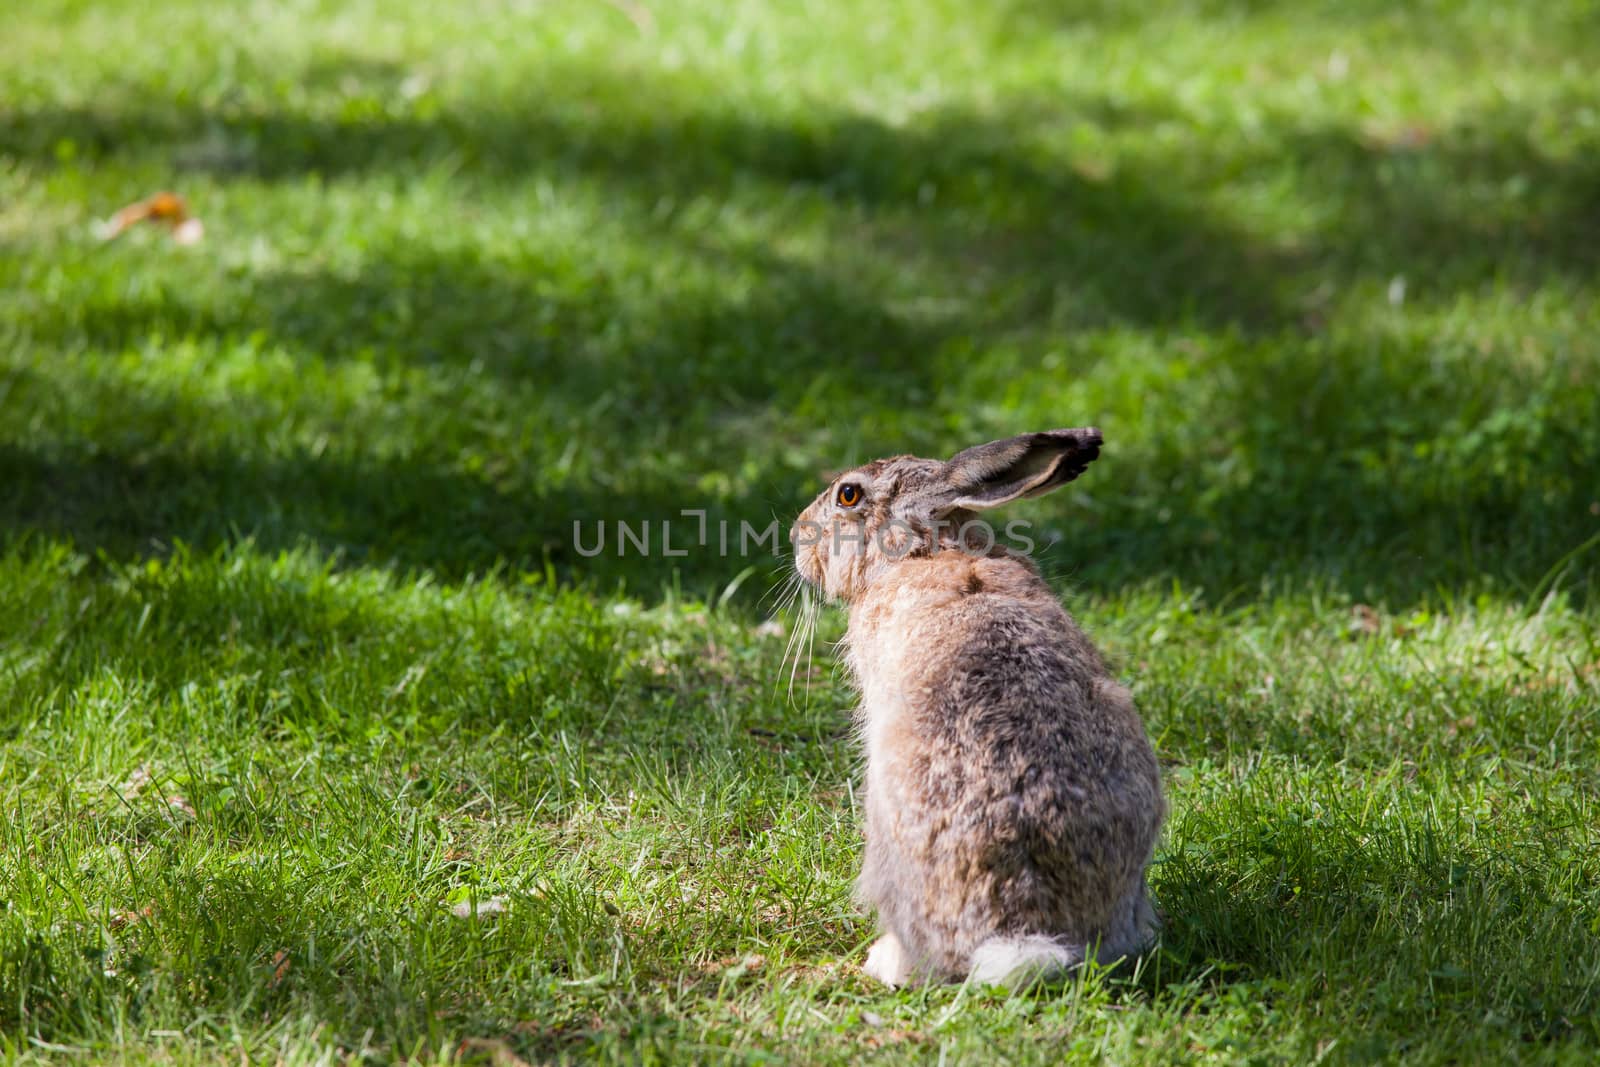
(297, 656)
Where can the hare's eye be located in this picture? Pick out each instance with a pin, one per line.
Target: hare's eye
(848, 496)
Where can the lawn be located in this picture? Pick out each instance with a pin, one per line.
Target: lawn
(322, 740)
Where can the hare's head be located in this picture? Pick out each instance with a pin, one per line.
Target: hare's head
(889, 510)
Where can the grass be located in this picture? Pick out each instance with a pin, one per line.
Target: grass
(298, 659)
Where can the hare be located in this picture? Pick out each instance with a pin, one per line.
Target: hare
(1012, 796)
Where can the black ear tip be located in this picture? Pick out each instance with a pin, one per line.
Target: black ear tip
(1086, 438)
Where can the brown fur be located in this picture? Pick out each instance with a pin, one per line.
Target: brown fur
(1011, 791)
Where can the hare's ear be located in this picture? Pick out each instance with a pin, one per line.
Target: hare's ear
(986, 476)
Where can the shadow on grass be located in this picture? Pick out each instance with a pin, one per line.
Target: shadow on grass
(1379, 933)
(990, 192)
(1299, 458)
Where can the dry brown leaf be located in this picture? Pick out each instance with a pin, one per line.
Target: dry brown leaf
(167, 208)
(124, 918)
(280, 969)
(1364, 619)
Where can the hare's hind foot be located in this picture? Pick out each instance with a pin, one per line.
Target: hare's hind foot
(888, 962)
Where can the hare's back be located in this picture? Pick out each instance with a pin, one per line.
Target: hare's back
(1027, 704)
